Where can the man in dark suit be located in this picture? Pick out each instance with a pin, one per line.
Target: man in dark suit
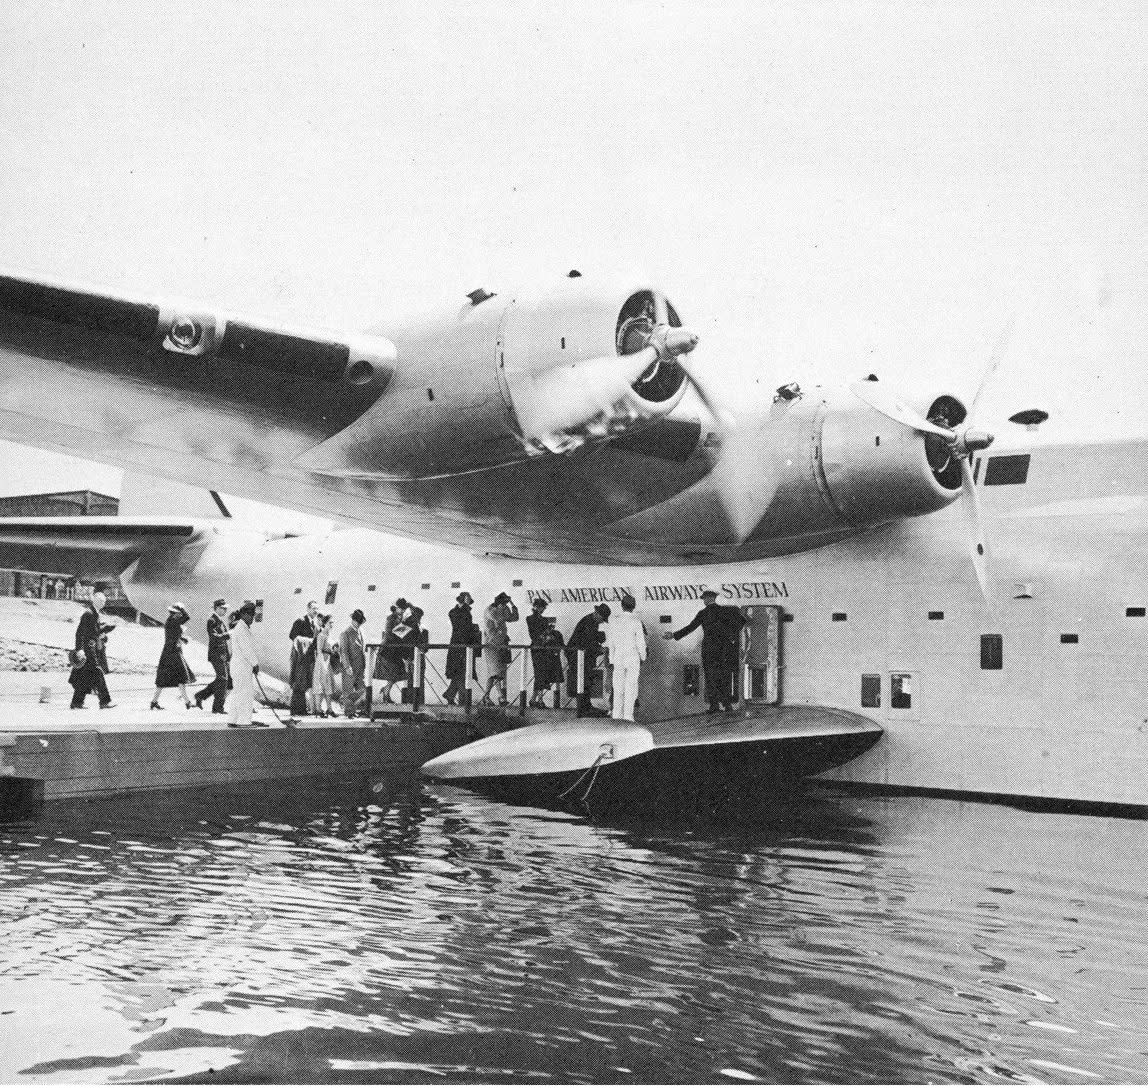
(353, 653)
(91, 660)
(463, 632)
(590, 638)
(218, 655)
(721, 644)
(308, 625)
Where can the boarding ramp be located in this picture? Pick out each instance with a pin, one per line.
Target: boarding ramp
(423, 683)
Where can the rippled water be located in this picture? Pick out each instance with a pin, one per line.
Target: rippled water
(344, 934)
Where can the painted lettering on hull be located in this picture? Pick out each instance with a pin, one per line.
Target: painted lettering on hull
(736, 591)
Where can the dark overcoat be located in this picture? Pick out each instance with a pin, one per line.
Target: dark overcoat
(463, 631)
(545, 645)
(172, 669)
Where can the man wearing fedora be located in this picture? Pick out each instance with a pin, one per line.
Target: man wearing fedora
(353, 654)
(721, 644)
(218, 655)
(463, 631)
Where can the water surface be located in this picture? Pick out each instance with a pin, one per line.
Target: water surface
(344, 934)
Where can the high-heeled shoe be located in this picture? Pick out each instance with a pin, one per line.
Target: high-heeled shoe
(155, 705)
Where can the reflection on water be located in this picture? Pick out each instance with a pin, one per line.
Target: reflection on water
(343, 934)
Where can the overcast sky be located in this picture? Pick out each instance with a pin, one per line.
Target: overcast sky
(824, 190)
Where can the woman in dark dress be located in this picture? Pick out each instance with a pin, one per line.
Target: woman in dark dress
(172, 669)
(545, 645)
(390, 665)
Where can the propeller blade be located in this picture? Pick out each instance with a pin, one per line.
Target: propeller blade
(999, 349)
(978, 547)
(710, 404)
(886, 404)
(743, 479)
(661, 309)
(571, 395)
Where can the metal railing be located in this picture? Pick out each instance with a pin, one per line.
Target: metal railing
(417, 671)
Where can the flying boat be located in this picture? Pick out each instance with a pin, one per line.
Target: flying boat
(568, 441)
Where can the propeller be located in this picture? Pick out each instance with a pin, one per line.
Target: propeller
(962, 440)
(568, 396)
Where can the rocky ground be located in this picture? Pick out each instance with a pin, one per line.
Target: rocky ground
(27, 656)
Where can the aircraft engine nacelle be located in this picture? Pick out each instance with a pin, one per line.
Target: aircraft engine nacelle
(816, 464)
(504, 378)
(875, 470)
(563, 358)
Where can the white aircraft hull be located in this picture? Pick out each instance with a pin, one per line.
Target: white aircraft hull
(1064, 718)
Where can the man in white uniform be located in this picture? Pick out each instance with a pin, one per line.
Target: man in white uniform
(244, 668)
(626, 644)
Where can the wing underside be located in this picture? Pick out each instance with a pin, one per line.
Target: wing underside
(90, 547)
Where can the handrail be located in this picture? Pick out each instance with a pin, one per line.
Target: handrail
(477, 646)
(417, 654)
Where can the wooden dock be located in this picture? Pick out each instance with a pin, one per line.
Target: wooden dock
(49, 752)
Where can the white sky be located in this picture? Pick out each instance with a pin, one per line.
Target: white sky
(823, 189)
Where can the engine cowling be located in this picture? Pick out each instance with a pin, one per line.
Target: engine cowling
(811, 466)
(504, 378)
(563, 344)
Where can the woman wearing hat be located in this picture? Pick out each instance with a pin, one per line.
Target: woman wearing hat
(545, 642)
(172, 669)
(495, 641)
(390, 660)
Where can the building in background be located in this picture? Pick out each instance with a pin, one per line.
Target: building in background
(54, 586)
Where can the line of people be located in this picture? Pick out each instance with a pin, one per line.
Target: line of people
(228, 639)
(620, 636)
(320, 660)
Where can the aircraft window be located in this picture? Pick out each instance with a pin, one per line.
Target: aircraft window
(456, 584)
(1070, 639)
(992, 652)
(665, 619)
(426, 586)
(332, 588)
(515, 584)
(298, 591)
(370, 588)
(1007, 470)
(839, 616)
(787, 617)
(1134, 612)
(936, 616)
(900, 691)
(870, 691)
(258, 610)
(691, 676)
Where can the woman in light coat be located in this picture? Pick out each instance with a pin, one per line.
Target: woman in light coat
(322, 687)
(495, 639)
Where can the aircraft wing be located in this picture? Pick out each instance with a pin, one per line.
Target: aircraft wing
(422, 434)
(88, 546)
(567, 424)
